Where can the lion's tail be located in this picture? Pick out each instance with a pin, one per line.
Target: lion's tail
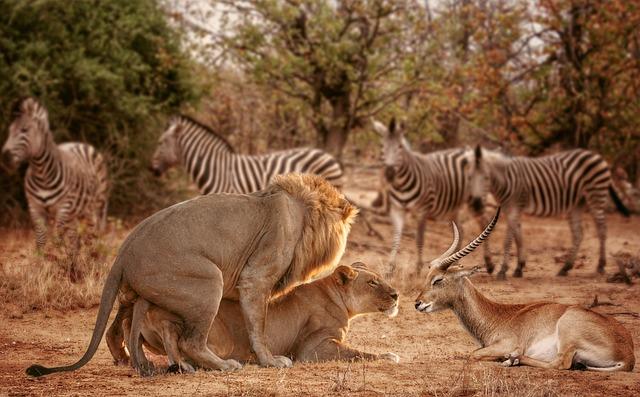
(109, 294)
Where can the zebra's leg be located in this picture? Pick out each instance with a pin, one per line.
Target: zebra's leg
(397, 220)
(513, 219)
(599, 218)
(39, 218)
(422, 224)
(66, 230)
(575, 223)
(522, 260)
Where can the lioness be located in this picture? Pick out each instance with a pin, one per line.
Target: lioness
(309, 323)
(247, 247)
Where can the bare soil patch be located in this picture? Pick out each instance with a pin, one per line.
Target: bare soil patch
(433, 348)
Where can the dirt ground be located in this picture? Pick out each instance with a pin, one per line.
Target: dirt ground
(433, 347)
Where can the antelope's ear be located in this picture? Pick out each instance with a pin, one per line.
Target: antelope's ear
(478, 153)
(379, 128)
(344, 274)
(462, 272)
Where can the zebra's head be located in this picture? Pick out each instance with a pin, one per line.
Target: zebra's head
(28, 133)
(167, 152)
(444, 285)
(394, 146)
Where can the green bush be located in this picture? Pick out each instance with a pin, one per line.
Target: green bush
(107, 71)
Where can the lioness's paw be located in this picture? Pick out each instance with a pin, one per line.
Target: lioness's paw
(279, 362)
(230, 365)
(391, 357)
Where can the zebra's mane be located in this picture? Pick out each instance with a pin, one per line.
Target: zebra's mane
(207, 129)
(495, 155)
(16, 109)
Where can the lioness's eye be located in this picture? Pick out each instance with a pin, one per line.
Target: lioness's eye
(373, 283)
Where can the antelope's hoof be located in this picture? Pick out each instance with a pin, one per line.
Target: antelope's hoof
(502, 275)
(517, 273)
(511, 360)
(391, 357)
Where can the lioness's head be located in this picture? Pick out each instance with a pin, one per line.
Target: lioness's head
(364, 291)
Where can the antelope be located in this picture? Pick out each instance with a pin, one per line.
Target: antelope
(539, 334)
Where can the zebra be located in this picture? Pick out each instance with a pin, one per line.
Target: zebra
(562, 183)
(433, 185)
(63, 183)
(215, 167)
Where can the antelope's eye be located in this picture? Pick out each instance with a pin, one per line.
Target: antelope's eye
(436, 281)
(373, 283)
(24, 129)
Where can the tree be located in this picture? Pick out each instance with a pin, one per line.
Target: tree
(105, 71)
(343, 62)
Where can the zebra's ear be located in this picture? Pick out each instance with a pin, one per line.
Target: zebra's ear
(392, 126)
(379, 128)
(478, 153)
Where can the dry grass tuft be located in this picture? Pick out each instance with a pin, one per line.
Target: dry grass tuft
(492, 382)
(55, 280)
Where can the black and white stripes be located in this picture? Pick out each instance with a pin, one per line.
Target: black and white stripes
(63, 183)
(215, 167)
(562, 183)
(434, 185)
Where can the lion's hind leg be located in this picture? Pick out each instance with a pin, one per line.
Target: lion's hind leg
(138, 358)
(115, 336)
(197, 306)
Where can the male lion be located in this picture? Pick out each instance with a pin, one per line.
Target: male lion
(309, 323)
(247, 247)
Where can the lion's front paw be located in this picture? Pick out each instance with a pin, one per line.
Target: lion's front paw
(278, 362)
(230, 365)
(512, 360)
(391, 357)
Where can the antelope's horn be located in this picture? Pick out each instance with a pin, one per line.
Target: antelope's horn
(451, 249)
(446, 262)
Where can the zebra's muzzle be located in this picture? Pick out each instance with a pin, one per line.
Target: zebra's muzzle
(7, 161)
(156, 171)
(389, 173)
(477, 204)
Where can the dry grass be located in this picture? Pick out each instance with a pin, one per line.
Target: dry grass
(54, 280)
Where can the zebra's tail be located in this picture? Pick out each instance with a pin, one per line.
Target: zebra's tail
(619, 204)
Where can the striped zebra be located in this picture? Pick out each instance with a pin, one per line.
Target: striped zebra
(432, 185)
(562, 183)
(64, 183)
(215, 168)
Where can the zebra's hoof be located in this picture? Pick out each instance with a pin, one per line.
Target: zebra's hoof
(502, 275)
(517, 273)
(619, 278)
(489, 267)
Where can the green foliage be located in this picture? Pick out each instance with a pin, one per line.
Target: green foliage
(341, 62)
(105, 70)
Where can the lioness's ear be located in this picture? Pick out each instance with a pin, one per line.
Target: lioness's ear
(344, 274)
